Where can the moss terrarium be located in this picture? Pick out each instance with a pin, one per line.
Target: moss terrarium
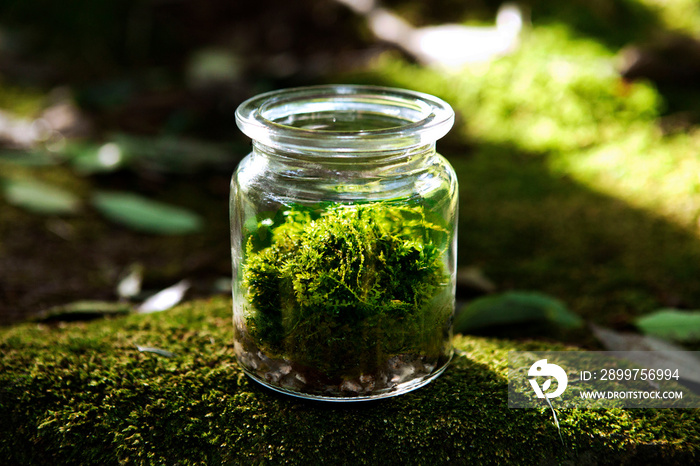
(343, 223)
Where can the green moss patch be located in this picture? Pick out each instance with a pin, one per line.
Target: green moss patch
(85, 394)
(356, 277)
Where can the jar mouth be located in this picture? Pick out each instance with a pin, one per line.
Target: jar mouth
(344, 118)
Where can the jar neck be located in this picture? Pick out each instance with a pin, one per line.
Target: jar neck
(312, 176)
(407, 158)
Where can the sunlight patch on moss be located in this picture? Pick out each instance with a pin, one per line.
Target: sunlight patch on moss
(683, 15)
(559, 93)
(560, 96)
(646, 170)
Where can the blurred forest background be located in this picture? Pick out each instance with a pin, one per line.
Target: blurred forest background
(576, 143)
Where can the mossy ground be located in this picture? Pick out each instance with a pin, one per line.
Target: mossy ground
(82, 393)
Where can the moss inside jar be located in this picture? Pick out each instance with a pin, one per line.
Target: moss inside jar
(348, 296)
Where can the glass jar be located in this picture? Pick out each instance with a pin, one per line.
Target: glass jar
(343, 232)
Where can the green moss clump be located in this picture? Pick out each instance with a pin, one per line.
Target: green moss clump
(344, 292)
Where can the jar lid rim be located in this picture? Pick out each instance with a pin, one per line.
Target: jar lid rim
(263, 117)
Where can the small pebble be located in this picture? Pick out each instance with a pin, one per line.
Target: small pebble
(292, 382)
(367, 382)
(285, 369)
(273, 377)
(350, 386)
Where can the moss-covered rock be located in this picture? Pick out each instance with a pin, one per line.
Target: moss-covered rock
(95, 394)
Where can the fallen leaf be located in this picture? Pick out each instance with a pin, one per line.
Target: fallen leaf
(671, 323)
(165, 299)
(83, 310)
(158, 351)
(513, 308)
(146, 215)
(40, 198)
(130, 285)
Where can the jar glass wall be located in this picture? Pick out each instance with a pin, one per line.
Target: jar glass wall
(343, 233)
